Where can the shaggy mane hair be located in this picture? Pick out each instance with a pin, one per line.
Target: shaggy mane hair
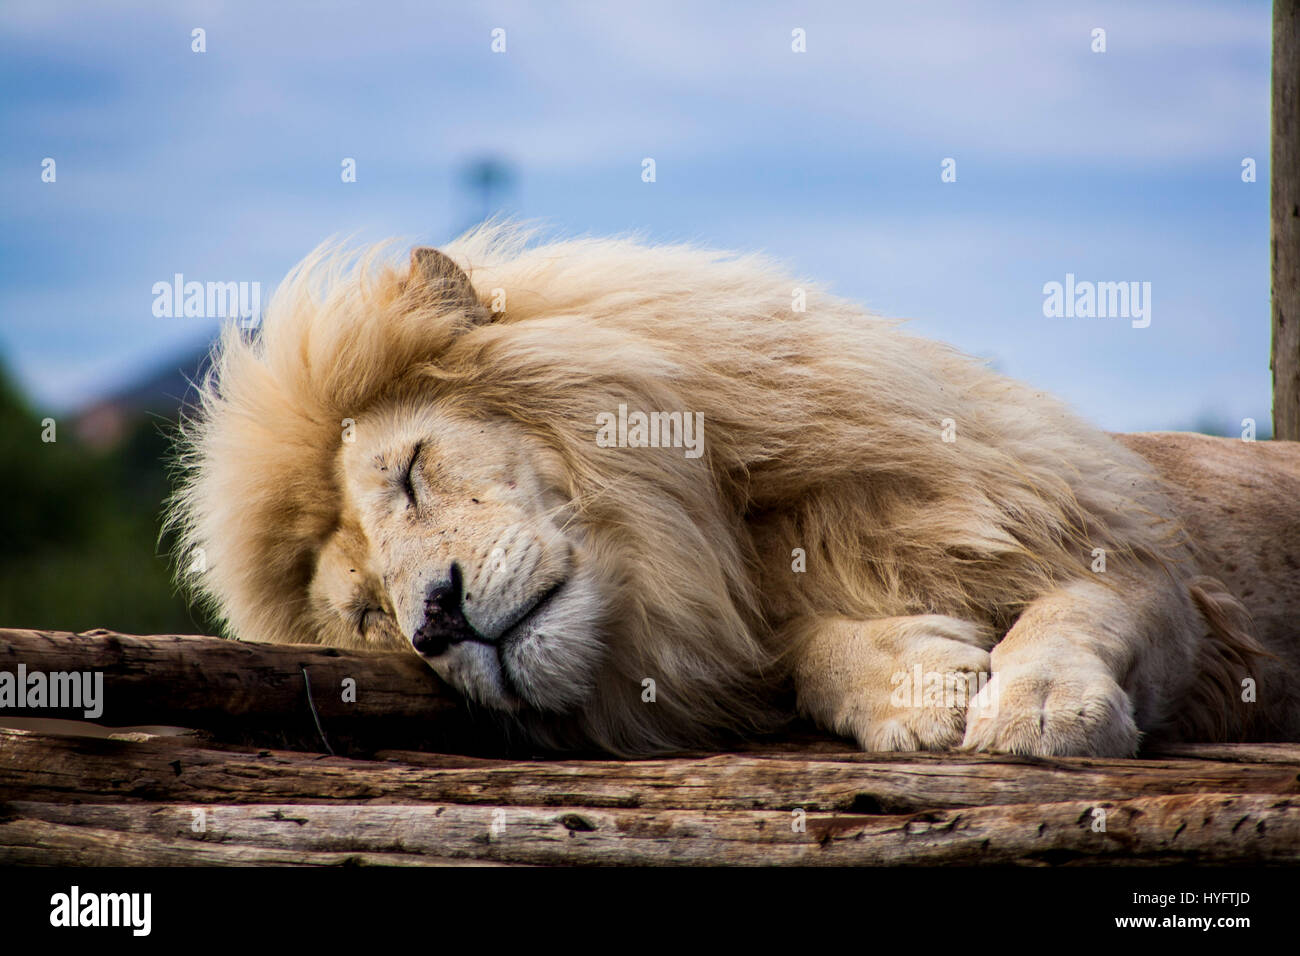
(823, 432)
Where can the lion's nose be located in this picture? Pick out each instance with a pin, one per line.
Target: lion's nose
(444, 619)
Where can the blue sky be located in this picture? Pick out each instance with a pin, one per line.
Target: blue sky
(1115, 166)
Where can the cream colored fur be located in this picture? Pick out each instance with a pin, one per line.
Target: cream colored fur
(589, 571)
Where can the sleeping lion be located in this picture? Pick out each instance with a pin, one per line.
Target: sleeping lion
(644, 498)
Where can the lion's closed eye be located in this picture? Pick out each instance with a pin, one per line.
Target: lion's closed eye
(408, 474)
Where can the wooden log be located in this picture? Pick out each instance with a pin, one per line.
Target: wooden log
(55, 769)
(1200, 828)
(1259, 753)
(1284, 202)
(258, 691)
(38, 843)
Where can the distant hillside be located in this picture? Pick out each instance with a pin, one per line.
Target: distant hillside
(161, 394)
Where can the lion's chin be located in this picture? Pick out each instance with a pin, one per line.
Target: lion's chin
(477, 671)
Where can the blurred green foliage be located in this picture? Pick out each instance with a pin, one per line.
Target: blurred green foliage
(79, 529)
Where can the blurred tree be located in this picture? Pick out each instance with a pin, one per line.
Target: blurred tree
(79, 529)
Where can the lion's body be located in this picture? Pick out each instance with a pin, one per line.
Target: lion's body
(1240, 502)
(830, 536)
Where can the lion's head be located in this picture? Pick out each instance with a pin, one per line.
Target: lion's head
(409, 458)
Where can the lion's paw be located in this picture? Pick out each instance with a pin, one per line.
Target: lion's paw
(1040, 711)
(919, 702)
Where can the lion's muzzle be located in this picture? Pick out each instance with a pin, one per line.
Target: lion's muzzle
(444, 617)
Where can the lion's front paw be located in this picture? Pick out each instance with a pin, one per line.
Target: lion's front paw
(1042, 711)
(917, 699)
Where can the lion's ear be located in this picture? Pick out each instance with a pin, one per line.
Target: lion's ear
(434, 274)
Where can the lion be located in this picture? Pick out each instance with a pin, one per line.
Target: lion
(488, 457)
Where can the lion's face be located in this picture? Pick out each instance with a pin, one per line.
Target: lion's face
(457, 534)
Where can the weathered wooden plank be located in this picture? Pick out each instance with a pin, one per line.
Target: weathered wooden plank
(256, 689)
(29, 842)
(54, 768)
(1200, 828)
(1236, 753)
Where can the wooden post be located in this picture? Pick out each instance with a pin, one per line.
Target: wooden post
(1285, 204)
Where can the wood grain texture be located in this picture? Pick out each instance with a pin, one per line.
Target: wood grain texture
(1200, 828)
(241, 688)
(59, 769)
(134, 798)
(1284, 203)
